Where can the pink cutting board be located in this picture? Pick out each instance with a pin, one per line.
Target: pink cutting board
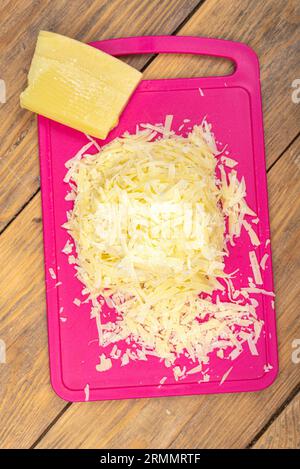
(232, 105)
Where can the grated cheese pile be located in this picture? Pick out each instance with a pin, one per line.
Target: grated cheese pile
(149, 223)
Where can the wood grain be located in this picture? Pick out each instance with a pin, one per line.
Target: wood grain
(86, 20)
(215, 420)
(284, 432)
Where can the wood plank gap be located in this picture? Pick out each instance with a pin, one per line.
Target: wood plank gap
(276, 414)
(188, 17)
(283, 152)
(53, 422)
(20, 210)
(174, 33)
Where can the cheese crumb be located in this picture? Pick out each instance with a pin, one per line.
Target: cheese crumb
(52, 273)
(105, 363)
(68, 247)
(255, 268)
(77, 302)
(87, 393)
(264, 261)
(225, 376)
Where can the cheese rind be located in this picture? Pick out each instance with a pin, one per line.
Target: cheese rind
(78, 85)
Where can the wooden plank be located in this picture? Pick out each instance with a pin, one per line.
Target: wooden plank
(199, 421)
(81, 19)
(27, 403)
(284, 432)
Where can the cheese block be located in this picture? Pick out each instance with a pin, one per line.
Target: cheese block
(78, 85)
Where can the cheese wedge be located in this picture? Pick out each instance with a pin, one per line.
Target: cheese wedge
(78, 85)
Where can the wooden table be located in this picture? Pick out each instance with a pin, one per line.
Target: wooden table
(31, 415)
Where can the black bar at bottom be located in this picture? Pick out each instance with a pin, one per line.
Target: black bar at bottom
(144, 458)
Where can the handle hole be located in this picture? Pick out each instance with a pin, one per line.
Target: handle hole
(181, 65)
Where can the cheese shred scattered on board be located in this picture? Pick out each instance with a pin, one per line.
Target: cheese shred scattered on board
(225, 376)
(255, 268)
(87, 393)
(52, 273)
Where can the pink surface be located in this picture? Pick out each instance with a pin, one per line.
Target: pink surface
(233, 105)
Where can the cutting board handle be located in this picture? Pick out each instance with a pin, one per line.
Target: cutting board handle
(244, 58)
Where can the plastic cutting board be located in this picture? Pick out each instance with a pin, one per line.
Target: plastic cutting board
(232, 105)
